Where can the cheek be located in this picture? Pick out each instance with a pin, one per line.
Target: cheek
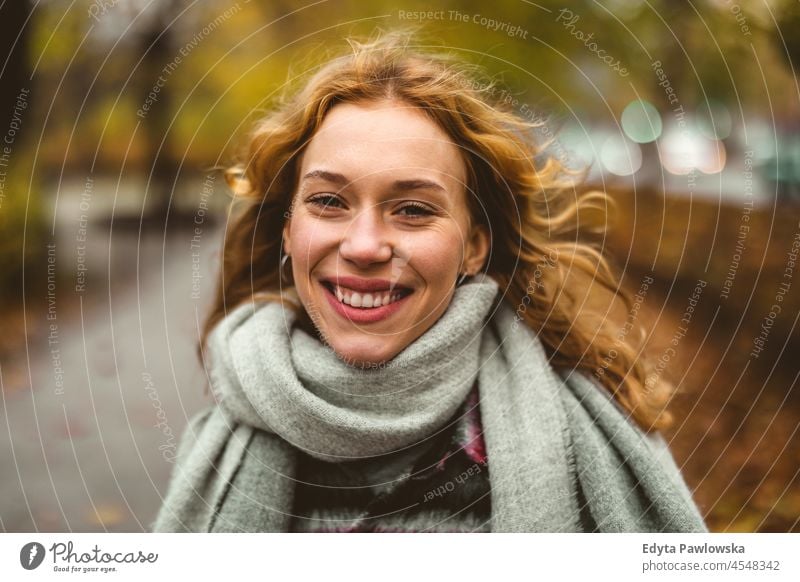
(311, 241)
(440, 247)
(437, 257)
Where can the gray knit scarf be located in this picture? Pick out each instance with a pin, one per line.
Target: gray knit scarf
(556, 443)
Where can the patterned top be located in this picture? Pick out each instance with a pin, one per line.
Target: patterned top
(438, 485)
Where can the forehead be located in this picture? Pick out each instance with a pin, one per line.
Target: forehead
(363, 139)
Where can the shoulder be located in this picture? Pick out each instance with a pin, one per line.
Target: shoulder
(590, 404)
(191, 433)
(608, 437)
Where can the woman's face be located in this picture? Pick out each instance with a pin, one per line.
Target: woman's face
(379, 230)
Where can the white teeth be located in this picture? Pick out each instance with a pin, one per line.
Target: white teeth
(365, 300)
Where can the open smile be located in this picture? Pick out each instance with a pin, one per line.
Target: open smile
(364, 307)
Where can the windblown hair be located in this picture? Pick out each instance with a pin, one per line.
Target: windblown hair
(526, 198)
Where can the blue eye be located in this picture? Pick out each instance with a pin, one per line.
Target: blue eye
(420, 211)
(416, 210)
(324, 200)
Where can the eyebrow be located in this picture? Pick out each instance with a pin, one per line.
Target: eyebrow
(402, 185)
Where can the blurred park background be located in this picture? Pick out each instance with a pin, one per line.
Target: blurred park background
(117, 115)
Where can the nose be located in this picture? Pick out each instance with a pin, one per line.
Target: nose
(367, 239)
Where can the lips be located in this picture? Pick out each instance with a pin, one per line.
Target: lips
(365, 314)
(365, 285)
(364, 298)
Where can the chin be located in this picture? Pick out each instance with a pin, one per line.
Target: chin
(363, 359)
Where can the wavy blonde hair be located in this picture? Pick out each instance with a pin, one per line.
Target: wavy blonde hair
(526, 198)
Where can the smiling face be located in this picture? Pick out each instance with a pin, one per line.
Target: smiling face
(380, 208)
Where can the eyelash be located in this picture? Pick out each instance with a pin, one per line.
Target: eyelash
(317, 200)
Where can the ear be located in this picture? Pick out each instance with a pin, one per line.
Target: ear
(477, 249)
(287, 247)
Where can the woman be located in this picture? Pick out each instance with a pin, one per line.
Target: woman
(396, 346)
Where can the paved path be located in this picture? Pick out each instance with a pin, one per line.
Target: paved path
(89, 455)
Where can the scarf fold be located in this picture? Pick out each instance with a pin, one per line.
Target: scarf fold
(557, 444)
